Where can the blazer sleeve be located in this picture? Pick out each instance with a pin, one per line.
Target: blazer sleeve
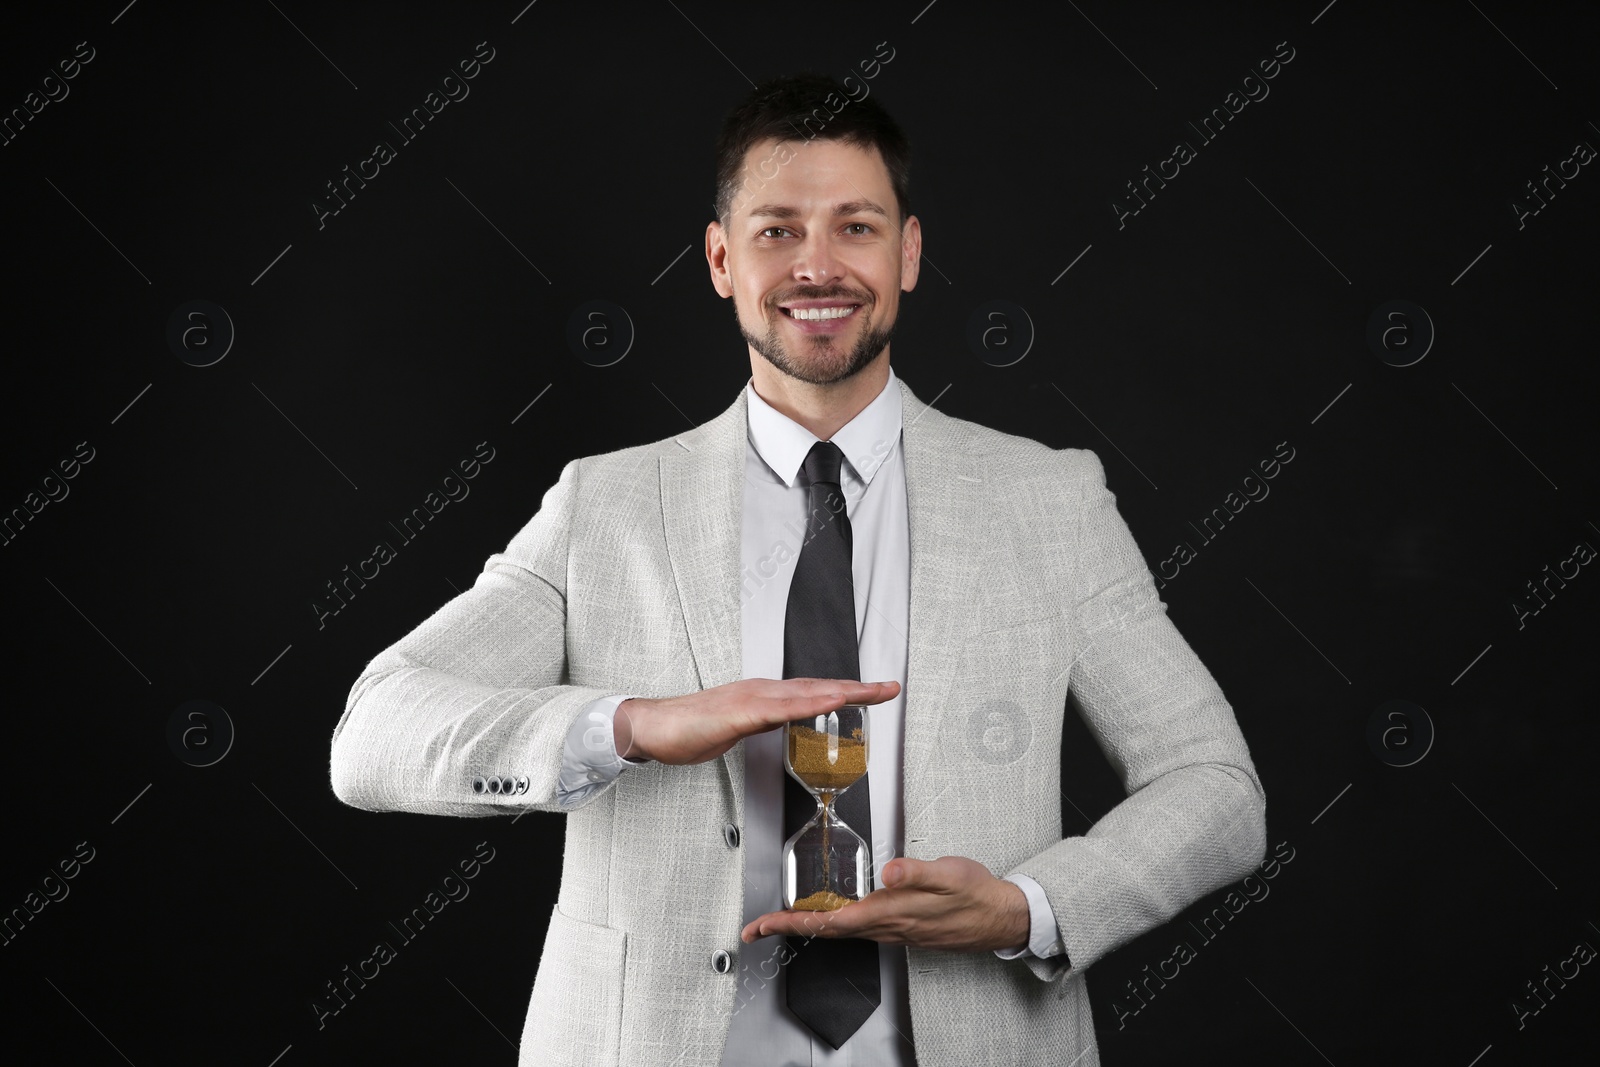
(1194, 819)
(476, 691)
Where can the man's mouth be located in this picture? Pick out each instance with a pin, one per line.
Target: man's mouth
(818, 312)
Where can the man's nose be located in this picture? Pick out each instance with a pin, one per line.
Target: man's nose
(817, 263)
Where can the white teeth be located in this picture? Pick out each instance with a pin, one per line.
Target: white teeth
(817, 314)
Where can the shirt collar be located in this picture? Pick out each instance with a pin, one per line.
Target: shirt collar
(866, 440)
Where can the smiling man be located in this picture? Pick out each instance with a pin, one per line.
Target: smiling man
(630, 657)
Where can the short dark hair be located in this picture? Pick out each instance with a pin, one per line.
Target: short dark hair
(805, 107)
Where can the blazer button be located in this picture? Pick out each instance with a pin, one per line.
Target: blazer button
(730, 834)
(721, 962)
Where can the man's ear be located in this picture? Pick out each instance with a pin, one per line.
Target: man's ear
(717, 258)
(911, 253)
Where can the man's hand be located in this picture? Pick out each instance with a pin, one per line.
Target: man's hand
(950, 903)
(704, 725)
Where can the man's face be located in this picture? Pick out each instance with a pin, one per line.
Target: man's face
(814, 257)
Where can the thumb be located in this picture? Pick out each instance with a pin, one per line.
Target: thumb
(902, 872)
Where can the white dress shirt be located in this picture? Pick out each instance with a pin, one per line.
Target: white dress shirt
(774, 522)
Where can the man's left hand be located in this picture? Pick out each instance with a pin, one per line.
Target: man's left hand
(950, 903)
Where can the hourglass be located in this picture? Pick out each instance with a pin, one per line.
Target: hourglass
(825, 862)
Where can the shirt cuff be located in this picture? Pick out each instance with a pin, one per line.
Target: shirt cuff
(589, 759)
(1044, 938)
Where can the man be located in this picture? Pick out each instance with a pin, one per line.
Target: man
(630, 657)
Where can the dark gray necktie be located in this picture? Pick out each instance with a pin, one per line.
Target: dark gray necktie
(832, 982)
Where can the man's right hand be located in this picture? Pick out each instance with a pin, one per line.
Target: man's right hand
(702, 726)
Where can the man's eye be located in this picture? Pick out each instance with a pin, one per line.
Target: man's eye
(769, 229)
(863, 225)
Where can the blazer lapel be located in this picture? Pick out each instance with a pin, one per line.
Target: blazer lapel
(702, 509)
(702, 501)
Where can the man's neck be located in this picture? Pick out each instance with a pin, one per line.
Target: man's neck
(821, 409)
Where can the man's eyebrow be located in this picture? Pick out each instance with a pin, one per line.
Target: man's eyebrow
(849, 207)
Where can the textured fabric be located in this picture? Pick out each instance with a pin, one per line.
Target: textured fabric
(1025, 583)
(832, 982)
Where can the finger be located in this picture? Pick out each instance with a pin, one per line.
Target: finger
(836, 687)
(886, 691)
(822, 695)
(903, 872)
(765, 925)
(800, 923)
(769, 925)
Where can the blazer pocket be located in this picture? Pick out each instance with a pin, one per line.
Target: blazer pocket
(575, 1014)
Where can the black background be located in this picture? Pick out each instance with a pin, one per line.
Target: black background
(375, 352)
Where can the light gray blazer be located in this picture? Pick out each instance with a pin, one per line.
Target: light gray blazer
(1025, 581)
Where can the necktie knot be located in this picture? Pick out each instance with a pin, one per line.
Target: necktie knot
(824, 463)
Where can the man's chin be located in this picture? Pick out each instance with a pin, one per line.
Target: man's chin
(817, 368)
(818, 359)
